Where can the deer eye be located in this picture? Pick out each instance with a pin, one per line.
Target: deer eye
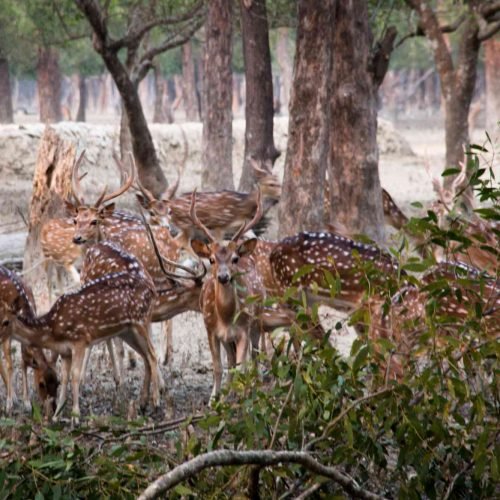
(93, 222)
(74, 221)
(5, 322)
(235, 259)
(212, 260)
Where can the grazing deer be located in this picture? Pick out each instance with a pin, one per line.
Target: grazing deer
(224, 211)
(407, 319)
(228, 320)
(117, 304)
(339, 257)
(14, 292)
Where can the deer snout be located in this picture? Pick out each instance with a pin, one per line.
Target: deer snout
(78, 240)
(224, 278)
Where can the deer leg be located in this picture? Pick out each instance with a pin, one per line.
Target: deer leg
(214, 344)
(76, 376)
(75, 275)
(24, 377)
(7, 375)
(65, 369)
(167, 329)
(117, 367)
(230, 349)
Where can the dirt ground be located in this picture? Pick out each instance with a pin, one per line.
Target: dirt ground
(188, 378)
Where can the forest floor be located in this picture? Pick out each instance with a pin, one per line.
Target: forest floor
(188, 378)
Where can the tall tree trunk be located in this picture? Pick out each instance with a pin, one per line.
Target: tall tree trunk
(355, 191)
(492, 73)
(259, 113)
(217, 121)
(189, 83)
(301, 205)
(49, 85)
(285, 63)
(82, 102)
(6, 111)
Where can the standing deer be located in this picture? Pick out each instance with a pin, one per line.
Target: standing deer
(117, 304)
(14, 293)
(228, 320)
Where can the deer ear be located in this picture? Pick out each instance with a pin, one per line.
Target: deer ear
(247, 247)
(69, 206)
(107, 210)
(201, 249)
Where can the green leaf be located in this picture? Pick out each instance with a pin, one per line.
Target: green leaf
(450, 171)
(180, 489)
(349, 433)
(360, 359)
(303, 271)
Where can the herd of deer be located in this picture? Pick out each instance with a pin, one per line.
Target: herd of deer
(132, 275)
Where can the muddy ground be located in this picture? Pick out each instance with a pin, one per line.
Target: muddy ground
(188, 378)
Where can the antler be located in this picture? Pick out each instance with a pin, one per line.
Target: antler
(258, 169)
(256, 218)
(197, 222)
(75, 180)
(105, 198)
(162, 260)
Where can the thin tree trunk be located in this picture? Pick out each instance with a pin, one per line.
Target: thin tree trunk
(6, 111)
(301, 205)
(355, 191)
(82, 103)
(49, 85)
(259, 113)
(189, 83)
(285, 63)
(217, 121)
(160, 84)
(492, 74)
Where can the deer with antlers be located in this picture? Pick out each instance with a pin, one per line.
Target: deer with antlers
(228, 320)
(223, 212)
(117, 304)
(14, 293)
(464, 291)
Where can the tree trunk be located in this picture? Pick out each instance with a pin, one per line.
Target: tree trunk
(160, 90)
(49, 85)
(217, 121)
(285, 63)
(301, 205)
(82, 103)
(259, 113)
(492, 74)
(51, 185)
(6, 111)
(189, 83)
(355, 191)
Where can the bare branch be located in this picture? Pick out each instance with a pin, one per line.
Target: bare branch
(264, 458)
(489, 9)
(488, 31)
(135, 37)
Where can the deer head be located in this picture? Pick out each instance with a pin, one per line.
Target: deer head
(224, 257)
(88, 218)
(269, 184)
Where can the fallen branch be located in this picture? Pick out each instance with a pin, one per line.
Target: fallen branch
(264, 458)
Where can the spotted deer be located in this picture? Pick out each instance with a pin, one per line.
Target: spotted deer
(223, 212)
(465, 291)
(117, 304)
(320, 254)
(14, 293)
(228, 320)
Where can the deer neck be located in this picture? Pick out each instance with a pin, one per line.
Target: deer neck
(226, 302)
(33, 331)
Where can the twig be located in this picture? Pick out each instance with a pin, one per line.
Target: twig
(264, 458)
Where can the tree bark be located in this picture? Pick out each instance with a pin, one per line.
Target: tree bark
(49, 85)
(189, 83)
(301, 205)
(51, 185)
(355, 191)
(6, 111)
(492, 74)
(160, 90)
(82, 103)
(259, 113)
(217, 120)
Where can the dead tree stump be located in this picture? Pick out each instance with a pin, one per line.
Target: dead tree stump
(51, 186)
